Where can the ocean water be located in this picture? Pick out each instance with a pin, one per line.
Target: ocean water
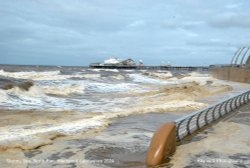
(73, 88)
(40, 103)
(99, 93)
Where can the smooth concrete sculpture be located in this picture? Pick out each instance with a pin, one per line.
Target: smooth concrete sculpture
(163, 144)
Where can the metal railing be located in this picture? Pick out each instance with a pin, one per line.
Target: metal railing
(188, 124)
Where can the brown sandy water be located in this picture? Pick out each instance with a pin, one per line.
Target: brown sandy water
(122, 144)
(76, 137)
(28, 129)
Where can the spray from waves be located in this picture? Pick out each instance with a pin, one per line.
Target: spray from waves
(45, 75)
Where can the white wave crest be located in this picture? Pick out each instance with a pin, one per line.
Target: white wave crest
(40, 134)
(33, 98)
(3, 96)
(160, 75)
(118, 77)
(106, 87)
(107, 70)
(197, 77)
(46, 75)
(64, 89)
(37, 97)
(91, 76)
(34, 91)
(145, 79)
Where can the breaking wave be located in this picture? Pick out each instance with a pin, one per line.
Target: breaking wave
(93, 93)
(91, 75)
(33, 135)
(43, 134)
(37, 98)
(139, 78)
(3, 95)
(46, 75)
(112, 87)
(64, 89)
(159, 74)
(105, 70)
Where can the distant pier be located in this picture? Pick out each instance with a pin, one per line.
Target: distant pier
(170, 68)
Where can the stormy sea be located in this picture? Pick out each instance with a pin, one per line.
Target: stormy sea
(55, 116)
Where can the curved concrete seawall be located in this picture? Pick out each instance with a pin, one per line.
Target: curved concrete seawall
(163, 142)
(237, 74)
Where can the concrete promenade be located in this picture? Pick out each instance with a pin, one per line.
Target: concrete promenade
(224, 145)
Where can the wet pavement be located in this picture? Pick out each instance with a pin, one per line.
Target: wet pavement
(224, 145)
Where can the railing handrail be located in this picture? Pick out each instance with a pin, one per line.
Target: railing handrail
(192, 122)
(208, 107)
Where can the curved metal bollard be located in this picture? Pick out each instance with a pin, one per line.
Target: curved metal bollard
(162, 144)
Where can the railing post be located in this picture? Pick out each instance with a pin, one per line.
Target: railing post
(198, 120)
(213, 113)
(177, 130)
(231, 104)
(220, 108)
(188, 124)
(226, 111)
(206, 116)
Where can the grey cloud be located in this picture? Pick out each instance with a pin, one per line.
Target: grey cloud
(209, 43)
(182, 24)
(62, 31)
(231, 19)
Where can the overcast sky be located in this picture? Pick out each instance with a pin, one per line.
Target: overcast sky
(78, 32)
